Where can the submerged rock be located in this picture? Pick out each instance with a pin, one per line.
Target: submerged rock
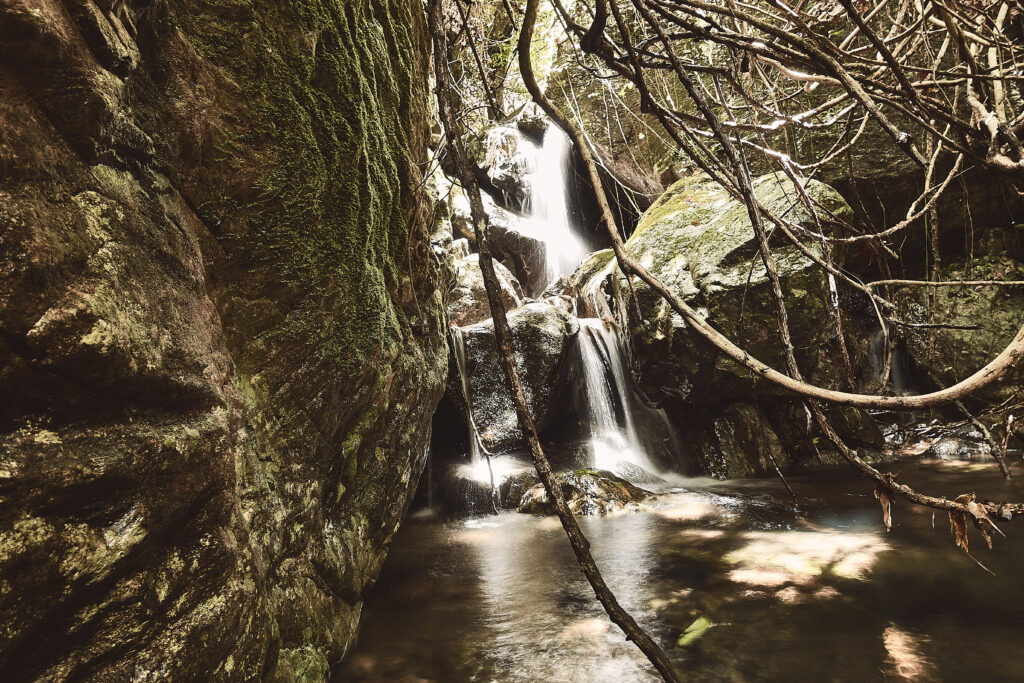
(542, 333)
(588, 492)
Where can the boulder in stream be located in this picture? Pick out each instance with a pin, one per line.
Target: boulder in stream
(588, 492)
(467, 303)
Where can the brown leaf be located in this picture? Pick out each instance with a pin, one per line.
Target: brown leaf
(980, 517)
(885, 500)
(958, 527)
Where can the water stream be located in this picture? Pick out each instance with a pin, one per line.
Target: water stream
(549, 219)
(613, 439)
(608, 384)
(823, 595)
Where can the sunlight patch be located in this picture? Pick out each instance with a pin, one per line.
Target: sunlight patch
(773, 558)
(690, 508)
(905, 660)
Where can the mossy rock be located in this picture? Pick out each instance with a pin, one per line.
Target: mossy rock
(952, 355)
(699, 242)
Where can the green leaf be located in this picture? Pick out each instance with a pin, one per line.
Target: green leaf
(694, 631)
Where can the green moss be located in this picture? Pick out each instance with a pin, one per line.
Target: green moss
(329, 94)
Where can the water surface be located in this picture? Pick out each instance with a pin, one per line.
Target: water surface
(820, 595)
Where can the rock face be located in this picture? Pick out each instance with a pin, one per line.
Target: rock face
(741, 443)
(880, 181)
(542, 334)
(588, 492)
(467, 303)
(952, 355)
(221, 339)
(699, 242)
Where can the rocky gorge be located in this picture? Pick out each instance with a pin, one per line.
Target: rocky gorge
(245, 336)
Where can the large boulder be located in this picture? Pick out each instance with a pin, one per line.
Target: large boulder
(983, 320)
(467, 302)
(699, 242)
(501, 166)
(542, 334)
(524, 254)
(222, 331)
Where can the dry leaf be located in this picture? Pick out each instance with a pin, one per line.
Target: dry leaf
(885, 500)
(980, 517)
(958, 527)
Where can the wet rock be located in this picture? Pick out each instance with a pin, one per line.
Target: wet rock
(635, 474)
(466, 488)
(510, 244)
(467, 491)
(962, 443)
(467, 303)
(513, 487)
(533, 127)
(955, 447)
(588, 492)
(741, 443)
(542, 334)
(524, 255)
(501, 167)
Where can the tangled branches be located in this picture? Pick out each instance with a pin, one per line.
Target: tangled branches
(939, 79)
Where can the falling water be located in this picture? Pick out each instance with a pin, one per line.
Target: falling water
(480, 468)
(549, 219)
(606, 384)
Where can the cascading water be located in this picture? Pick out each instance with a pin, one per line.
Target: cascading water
(607, 386)
(614, 442)
(549, 218)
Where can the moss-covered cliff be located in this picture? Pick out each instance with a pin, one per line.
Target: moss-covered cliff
(221, 339)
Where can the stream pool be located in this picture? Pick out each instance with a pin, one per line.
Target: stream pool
(819, 595)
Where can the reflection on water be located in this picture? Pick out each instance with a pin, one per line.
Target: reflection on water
(823, 595)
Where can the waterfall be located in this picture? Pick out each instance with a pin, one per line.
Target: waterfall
(549, 220)
(607, 386)
(484, 468)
